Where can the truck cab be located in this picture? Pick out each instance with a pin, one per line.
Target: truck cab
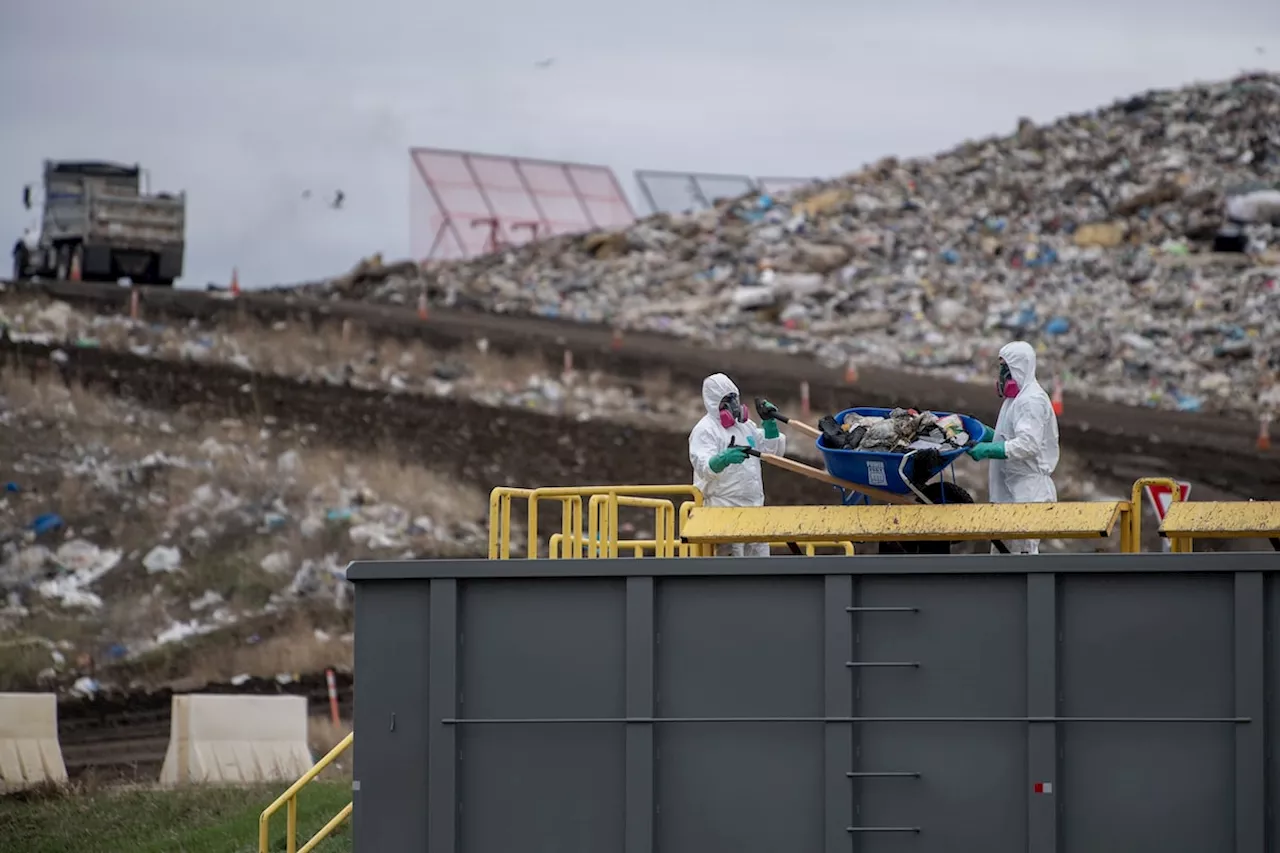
(98, 224)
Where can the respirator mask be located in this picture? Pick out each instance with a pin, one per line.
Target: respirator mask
(731, 411)
(1006, 385)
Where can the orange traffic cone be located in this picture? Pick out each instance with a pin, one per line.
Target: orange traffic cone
(850, 373)
(75, 266)
(422, 306)
(235, 282)
(1056, 399)
(1264, 432)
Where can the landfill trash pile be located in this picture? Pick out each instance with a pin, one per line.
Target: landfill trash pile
(124, 530)
(285, 349)
(902, 431)
(1104, 238)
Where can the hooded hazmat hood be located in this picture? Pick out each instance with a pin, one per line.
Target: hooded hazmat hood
(715, 388)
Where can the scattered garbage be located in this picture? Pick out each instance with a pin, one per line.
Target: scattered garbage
(901, 431)
(1093, 236)
(45, 523)
(162, 558)
(409, 369)
(139, 537)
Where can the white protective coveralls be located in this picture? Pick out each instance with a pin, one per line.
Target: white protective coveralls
(1029, 429)
(737, 485)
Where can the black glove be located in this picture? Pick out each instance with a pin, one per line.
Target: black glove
(766, 410)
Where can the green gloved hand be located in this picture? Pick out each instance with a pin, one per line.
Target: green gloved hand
(987, 433)
(771, 428)
(725, 458)
(765, 409)
(988, 450)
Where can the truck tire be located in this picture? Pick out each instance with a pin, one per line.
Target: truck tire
(938, 492)
(67, 253)
(62, 269)
(20, 262)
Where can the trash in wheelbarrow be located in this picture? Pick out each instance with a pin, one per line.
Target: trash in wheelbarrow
(902, 430)
(895, 450)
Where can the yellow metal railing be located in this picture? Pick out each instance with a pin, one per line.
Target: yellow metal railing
(600, 537)
(589, 525)
(645, 547)
(289, 799)
(1176, 546)
(596, 533)
(1222, 520)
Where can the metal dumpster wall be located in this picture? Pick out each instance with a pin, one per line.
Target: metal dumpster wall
(817, 704)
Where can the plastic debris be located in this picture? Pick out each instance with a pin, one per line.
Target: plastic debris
(1093, 236)
(162, 558)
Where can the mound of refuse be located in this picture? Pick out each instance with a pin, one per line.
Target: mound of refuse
(1134, 245)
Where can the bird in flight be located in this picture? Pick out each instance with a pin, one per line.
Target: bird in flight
(545, 63)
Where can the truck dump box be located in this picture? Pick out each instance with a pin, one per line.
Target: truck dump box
(98, 212)
(1002, 704)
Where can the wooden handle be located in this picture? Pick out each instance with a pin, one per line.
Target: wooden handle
(818, 474)
(799, 426)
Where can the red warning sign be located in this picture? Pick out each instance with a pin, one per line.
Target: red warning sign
(1160, 496)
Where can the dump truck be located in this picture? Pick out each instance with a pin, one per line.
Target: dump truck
(100, 225)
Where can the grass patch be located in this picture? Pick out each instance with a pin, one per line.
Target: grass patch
(186, 820)
(21, 660)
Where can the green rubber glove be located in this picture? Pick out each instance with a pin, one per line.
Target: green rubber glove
(987, 433)
(725, 458)
(771, 428)
(988, 450)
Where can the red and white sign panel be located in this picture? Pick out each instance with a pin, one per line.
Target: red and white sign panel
(463, 204)
(1160, 496)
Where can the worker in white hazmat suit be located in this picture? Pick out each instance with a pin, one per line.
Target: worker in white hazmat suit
(1023, 447)
(729, 476)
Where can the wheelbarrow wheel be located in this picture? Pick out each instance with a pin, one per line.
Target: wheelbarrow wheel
(938, 492)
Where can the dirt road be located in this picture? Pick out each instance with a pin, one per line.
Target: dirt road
(1117, 440)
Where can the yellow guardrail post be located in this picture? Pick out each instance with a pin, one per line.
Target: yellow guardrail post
(500, 520)
(1177, 546)
(328, 828)
(289, 800)
(1126, 532)
(602, 520)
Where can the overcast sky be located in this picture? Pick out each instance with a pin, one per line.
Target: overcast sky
(247, 104)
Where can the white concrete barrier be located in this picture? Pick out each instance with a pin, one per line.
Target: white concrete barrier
(29, 750)
(222, 738)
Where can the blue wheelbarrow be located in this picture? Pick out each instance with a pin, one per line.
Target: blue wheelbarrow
(864, 476)
(907, 474)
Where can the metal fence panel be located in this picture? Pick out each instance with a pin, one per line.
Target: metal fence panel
(392, 768)
(685, 192)
(959, 651)
(1258, 688)
(1039, 704)
(747, 786)
(776, 185)
(1125, 661)
(465, 204)
(542, 650)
